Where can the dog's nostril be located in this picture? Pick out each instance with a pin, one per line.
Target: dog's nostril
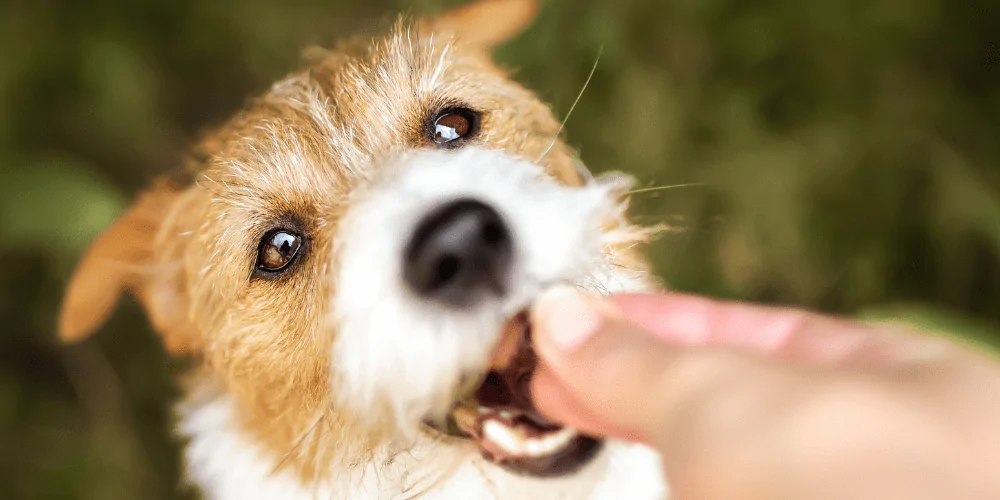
(460, 253)
(446, 270)
(493, 234)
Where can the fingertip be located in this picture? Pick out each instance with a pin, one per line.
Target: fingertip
(564, 318)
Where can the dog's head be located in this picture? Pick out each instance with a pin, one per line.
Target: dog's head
(354, 243)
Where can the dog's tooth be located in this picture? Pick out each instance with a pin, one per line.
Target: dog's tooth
(537, 447)
(505, 414)
(465, 419)
(504, 437)
(562, 438)
(510, 342)
(549, 444)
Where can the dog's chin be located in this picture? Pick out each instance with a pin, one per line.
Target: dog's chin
(499, 418)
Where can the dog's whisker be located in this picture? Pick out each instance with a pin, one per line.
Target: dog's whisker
(442, 476)
(299, 442)
(663, 188)
(569, 113)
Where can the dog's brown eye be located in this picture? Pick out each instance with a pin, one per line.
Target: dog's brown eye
(277, 250)
(453, 125)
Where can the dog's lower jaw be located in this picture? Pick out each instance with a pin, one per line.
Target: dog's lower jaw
(225, 463)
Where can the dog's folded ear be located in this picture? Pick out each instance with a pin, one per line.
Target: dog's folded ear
(123, 258)
(487, 23)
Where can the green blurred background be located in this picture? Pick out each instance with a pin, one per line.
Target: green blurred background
(846, 153)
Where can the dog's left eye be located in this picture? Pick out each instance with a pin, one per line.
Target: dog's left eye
(451, 126)
(277, 250)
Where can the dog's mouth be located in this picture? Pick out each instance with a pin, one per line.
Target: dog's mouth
(501, 420)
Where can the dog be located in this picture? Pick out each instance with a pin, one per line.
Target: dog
(348, 262)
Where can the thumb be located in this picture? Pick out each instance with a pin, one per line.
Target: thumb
(595, 368)
(604, 373)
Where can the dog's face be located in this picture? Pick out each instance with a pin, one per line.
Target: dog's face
(356, 241)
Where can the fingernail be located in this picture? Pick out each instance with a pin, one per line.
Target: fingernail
(567, 316)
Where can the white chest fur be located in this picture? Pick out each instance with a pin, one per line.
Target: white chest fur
(225, 465)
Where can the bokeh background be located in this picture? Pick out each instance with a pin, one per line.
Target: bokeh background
(844, 156)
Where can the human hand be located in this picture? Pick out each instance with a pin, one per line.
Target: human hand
(758, 403)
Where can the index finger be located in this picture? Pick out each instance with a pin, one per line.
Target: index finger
(687, 320)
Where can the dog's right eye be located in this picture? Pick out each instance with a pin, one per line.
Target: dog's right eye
(277, 250)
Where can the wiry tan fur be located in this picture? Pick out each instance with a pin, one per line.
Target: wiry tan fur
(295, 156)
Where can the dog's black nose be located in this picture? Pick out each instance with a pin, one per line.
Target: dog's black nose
(459, 254)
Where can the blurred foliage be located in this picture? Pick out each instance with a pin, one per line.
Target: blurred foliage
(846, 154)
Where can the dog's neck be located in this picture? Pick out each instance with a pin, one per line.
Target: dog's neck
(224, 460)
